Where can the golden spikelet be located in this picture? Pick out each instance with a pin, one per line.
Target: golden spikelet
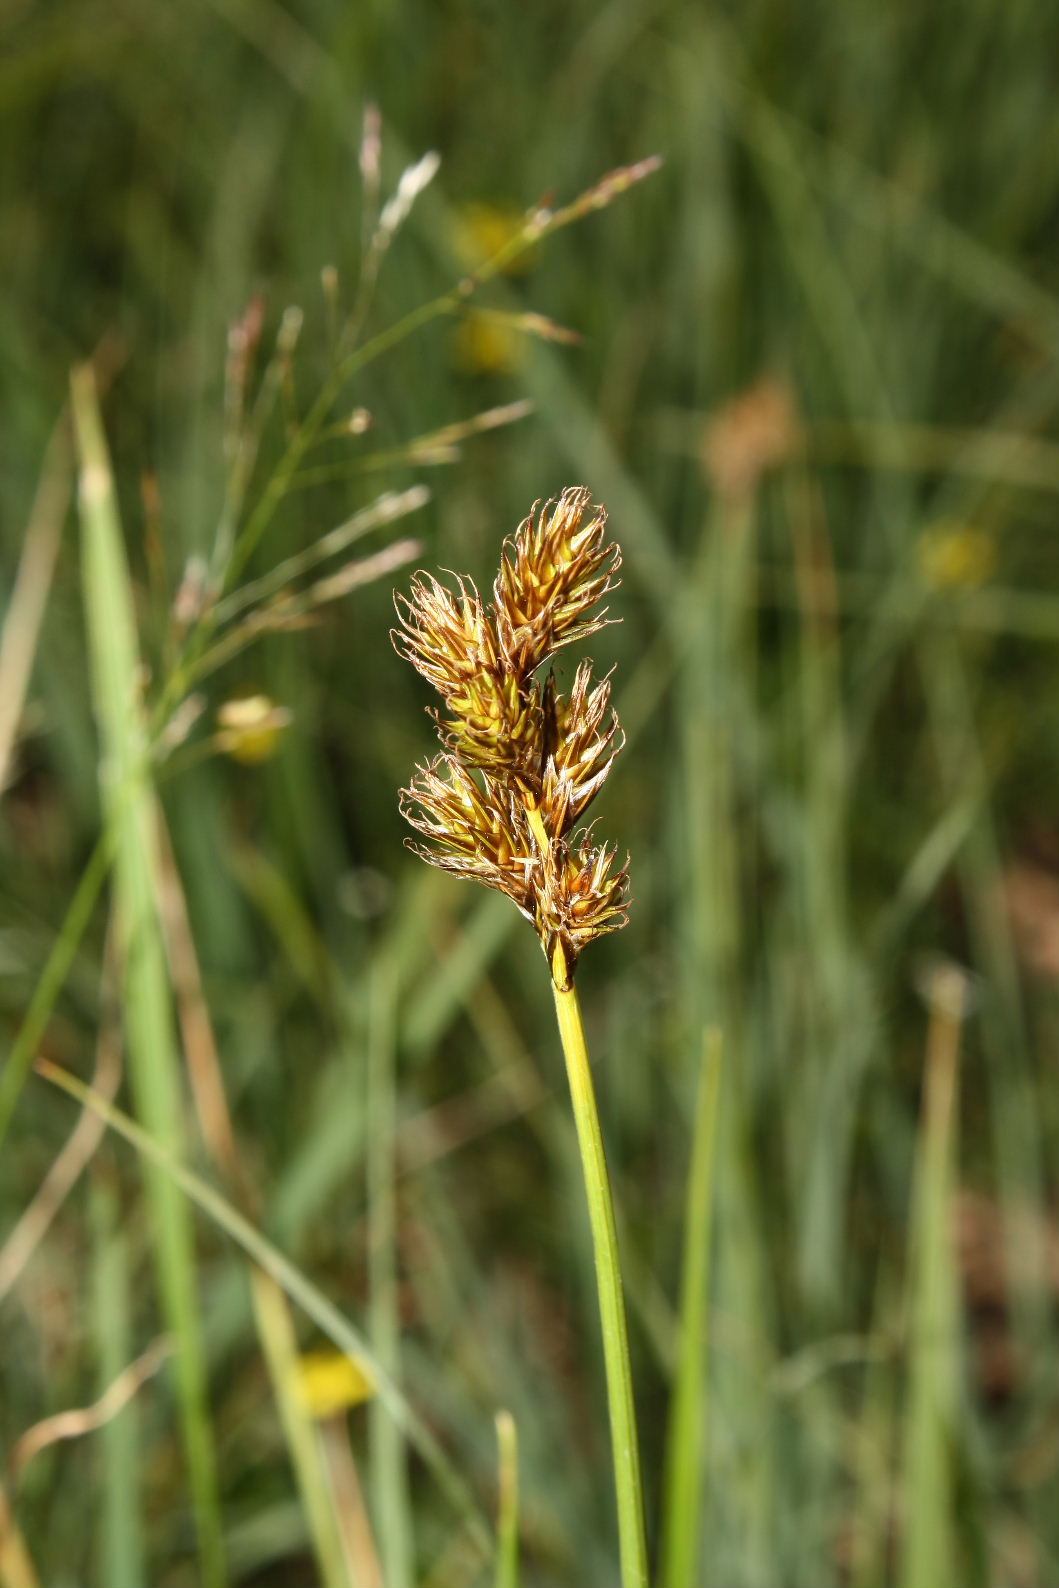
(476, 828)
(582, 736)
(493, 719)
(555, 568)
(577, 899)
(522, 762)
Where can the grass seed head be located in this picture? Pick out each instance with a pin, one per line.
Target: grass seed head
(580, 897)
(522, 762)
(476, 829)
(581, 738)
(554, 570)
(491, 718)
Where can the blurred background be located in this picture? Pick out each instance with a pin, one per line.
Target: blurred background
(814, 381)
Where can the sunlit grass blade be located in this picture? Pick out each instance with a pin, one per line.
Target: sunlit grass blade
(688, 1425)
(16, 1565)
(507, 1572)
(301, 1290)
(153, 1060)
(927, 1557)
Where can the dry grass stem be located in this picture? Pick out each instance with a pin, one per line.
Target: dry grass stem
(85, 1420)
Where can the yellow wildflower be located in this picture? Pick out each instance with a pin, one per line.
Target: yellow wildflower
(482, 230)
(331, 1382)
(250, 727)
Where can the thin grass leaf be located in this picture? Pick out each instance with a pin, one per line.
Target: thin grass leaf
(386, 509)
(29, 595)
(276, 1331)
(300, 1289)
(347, 1497)
(120, 1549)
(68, 1164)
(52, 977)
(927, 1554)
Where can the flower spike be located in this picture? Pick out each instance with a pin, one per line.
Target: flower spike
(522, 762)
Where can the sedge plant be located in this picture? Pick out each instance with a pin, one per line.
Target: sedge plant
(519, 766)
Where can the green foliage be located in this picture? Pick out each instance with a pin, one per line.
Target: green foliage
(816, 389)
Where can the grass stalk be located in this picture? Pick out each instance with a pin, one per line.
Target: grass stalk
(507, 1572)
(153, 1060)
(121, 1541)
(930, 1416)
(627, 1480)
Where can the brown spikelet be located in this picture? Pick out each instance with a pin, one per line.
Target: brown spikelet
(497, 725)
(578, 899)
(490, 718)
(476, 829)
(581, 738)
(555, 568)
(522, 761)
(446, 635)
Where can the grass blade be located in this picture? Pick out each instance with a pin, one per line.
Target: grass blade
(300, 1289)
(121, 1543)
(57, 968)
(153, 1061)
(507, 1572)
(29, 597)
(16, 1567)
(275, 1327)
(276, 1330)
(927, 1557)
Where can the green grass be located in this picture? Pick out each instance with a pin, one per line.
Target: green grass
(139, 953)
(840, 771)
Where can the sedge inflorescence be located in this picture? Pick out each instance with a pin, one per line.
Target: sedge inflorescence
(521, 761)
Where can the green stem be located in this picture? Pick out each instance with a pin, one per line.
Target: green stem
(627, 1482)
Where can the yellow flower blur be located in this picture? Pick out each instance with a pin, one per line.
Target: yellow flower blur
(250, 728)
(956, 557)
(331, 1382)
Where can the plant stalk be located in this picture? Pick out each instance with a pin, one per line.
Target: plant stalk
(627, 1481)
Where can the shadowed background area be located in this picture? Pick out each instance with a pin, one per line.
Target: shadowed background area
(809, 364)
